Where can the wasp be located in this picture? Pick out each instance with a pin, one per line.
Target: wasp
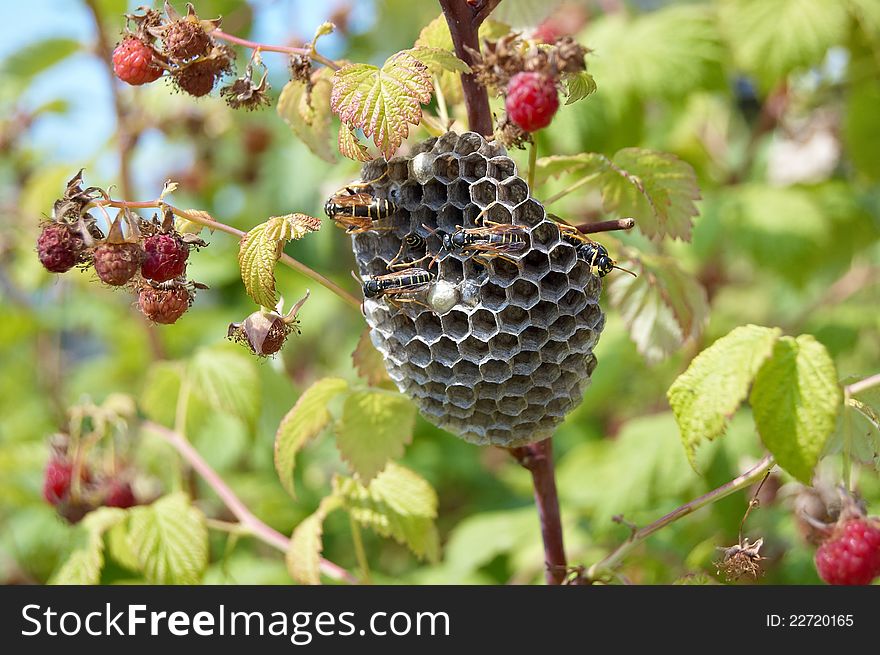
(411, 243)
(357, 211)
(595, 254)
(492, 240)
(398, 286)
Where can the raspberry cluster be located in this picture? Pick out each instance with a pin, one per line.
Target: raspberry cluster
(179, 45)
(147, 256)
(851, 555)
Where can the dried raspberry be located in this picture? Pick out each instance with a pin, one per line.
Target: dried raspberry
(199, 78)
(133, 62)
(164, 306)
(116, 263)
(60, 247)
(120, 494)
(164, 257)
(275, 338)
(851, 556)
(56, 481)
(532, 101)
(186, 39)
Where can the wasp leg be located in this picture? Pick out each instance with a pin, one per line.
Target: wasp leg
(399, 301)
(398, 266)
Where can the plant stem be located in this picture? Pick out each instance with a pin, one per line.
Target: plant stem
(538, 459)
(606, 567)
(464, 24)
(571, 189)
(248, 521)
(359, 551)
(606, 226)
(863, 385)
(210, 223)
(533, 157)
(265, 47)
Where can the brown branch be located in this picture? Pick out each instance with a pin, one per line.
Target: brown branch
(538, 459)
(464, 24)
(607, 226)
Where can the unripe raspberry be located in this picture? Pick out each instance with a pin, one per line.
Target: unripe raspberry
(116, 263)
(164, 306)
(120, 494)
(164, 257)
(532, 101)
(133, 62)
(199, 78)
(60, 247)
(186, 39)
(851, 556)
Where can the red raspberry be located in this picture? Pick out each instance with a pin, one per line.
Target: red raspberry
(116, 263)
(532, 101)
(851, 556)
(56, 481)
(119, 494)
(60, 247)
(133, 62)
(186, 39)
(164, 258)
(164, 305)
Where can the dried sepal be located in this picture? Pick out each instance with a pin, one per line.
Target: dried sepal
(265, 331)
(245, 93)
(741, 560)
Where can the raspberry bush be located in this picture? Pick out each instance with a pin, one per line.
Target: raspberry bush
(635, 251)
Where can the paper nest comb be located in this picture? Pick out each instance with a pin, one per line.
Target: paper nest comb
(507, 350)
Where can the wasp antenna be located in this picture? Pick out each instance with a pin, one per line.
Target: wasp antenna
(625, 270)
(357, 279)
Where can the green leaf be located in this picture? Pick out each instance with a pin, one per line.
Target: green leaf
(84, 565)
(374, 427)
(655, 188)
(368, 362)
(350, 147)
(397, 504)
(438, 60)
(662, 308)
(382, 102)
(158, 400)
(578, 86)
(706, 395)
(585, 164)
(33, 59)
(860, 131)
(308, 114)
(303, 555)
(170, 540)
(795, 400)
(302, 423)
(771, 39)
(226, 379)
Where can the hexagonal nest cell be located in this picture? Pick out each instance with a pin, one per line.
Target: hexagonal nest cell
(488, 366)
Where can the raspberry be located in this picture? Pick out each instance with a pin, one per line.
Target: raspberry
(186, 39)
(532, 101)
(60, 247)
(133, 62)
(164, 257)
(116, 263)
(851, 556)
(119, 494)
(164, 305)
(199, 78)
(56, 481)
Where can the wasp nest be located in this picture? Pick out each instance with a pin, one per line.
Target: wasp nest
(497, 351)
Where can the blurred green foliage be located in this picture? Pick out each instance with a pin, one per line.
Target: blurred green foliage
(774, 104)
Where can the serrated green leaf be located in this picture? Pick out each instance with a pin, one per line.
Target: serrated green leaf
(120, 549)
(771, 39)
(858, 433)
(578, 86)
(170, 540)
(706, 395)
(350, 147)
(303, 555)
(795, 400)
(656, 188)
(84, 565)
(382, 102)
(308, 115)
(302, 423)
(398, 504)
(583, 165)
(662, 308)
(374, 427)
(368, 362)
(226, 379)
(439, 59)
